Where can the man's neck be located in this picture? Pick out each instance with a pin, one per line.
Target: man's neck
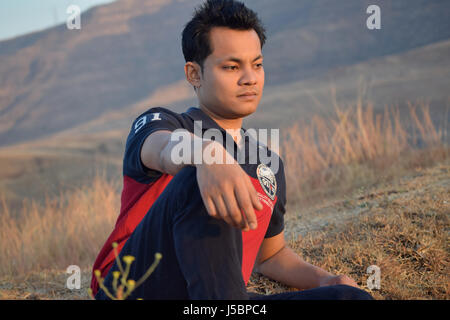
(229, 125)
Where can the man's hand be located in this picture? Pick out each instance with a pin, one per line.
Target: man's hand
(340, 279)
(226, 189)
(228, 192)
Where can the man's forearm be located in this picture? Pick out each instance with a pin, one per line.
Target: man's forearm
(166, 160)
(290, 269)
(198, 148)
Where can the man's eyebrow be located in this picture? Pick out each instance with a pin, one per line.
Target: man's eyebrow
(239, 60)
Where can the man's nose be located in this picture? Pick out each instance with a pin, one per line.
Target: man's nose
(249, 76)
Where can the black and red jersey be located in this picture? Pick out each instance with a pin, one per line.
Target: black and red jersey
(142, 186)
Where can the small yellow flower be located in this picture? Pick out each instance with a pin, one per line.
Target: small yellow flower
(116, 274)
(131, 283)
(97, 273)
(158, 256)
(128, 259)
(114, 244)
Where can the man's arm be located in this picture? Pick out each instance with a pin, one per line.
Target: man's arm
(156, 153)
(279, 262)
(225, 188)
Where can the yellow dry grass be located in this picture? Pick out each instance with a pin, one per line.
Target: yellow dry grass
(403, 230)
(329, 157)
(68, 230)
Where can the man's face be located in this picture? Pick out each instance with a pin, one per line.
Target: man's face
(234, 68)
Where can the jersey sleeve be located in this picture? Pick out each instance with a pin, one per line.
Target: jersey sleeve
(276, 224)
(152, 120)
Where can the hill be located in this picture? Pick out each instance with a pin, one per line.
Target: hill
(59, 78)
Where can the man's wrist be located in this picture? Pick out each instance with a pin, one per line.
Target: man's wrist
(210, 152)
(198, 145)
(200, 151)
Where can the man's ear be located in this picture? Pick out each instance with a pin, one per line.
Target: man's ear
(192, 71)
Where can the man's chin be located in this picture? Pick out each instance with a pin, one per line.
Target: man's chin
(242, 112)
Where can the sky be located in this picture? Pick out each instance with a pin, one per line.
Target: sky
(18, 17)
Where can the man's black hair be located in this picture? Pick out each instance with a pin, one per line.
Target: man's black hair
(216, 13)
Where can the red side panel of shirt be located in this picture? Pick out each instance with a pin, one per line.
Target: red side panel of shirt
(137, 198)
(252, 239)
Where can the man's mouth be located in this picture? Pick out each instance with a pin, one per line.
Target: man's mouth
(248, 94)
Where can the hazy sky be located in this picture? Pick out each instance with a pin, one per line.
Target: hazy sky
(19, 17)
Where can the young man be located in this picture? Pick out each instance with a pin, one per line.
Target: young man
(213, 222)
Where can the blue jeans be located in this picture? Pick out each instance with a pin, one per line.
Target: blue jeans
(201, 256)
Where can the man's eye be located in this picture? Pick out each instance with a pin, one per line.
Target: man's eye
(259, 65)
(230, 67)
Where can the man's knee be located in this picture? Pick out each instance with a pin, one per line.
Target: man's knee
(183, 188)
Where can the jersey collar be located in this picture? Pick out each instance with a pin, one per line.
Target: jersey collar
(197, 114)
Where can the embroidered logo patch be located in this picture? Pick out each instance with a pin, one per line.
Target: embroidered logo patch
(267, 180)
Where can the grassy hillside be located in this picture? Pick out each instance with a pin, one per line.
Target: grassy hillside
(401, 227)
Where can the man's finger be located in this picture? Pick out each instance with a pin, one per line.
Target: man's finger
(251, 219)
(254, 195)
(222, 209)
(232, 207)
(246, 206)
(255, 201)
(256, 204)
(210, 207)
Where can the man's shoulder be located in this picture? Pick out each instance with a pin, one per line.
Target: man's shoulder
(163, 115)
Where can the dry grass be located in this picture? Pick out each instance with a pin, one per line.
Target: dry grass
(48, 284)
(68, 230)
(329, 157)
(404, 231)
(407, 238)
